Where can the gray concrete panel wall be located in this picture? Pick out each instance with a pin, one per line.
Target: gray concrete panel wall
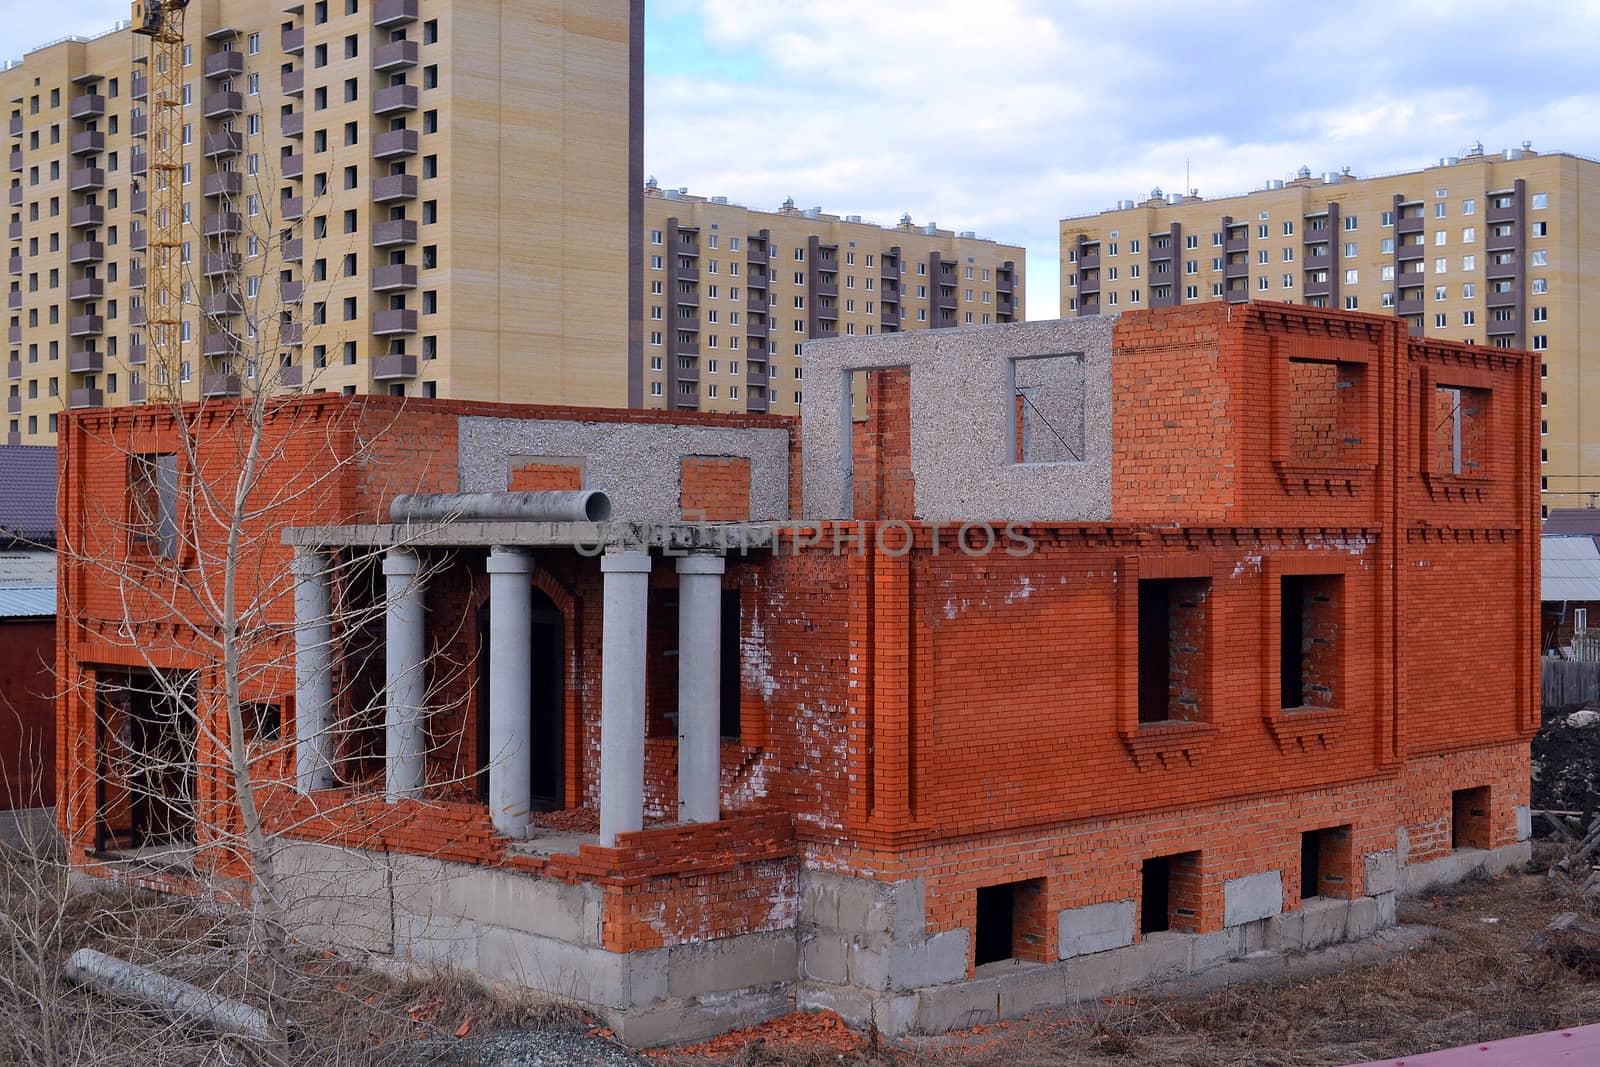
(637, 464)
(963, 399)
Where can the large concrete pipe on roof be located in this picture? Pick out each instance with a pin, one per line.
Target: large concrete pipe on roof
(572, 505)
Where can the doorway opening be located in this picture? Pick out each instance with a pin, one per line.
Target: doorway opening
(145, 732)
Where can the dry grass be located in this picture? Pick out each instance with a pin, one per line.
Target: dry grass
(1473, 982)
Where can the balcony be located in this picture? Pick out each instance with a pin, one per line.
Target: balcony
(223, 105)
(292, 207)
(14, 335)
(14, 300)
(226, 143)
(219, 386)
(756, 302)
(14, 229)
(389, 368)
(393, 322)
(291, 333)
(1500, 242)
(82, 181)
(394, 187)
(139, 126)
(294, 40)
(394, 276)
(14, 265)
(290, 377)
(394, 144)
(138, 316)
(394, 99)
(222, 224)
(1318, 261)
(86, 398)
(223, 65)
(16, 160)
(141, 87)
(139, 239)
(394, 232)
(86, 252)
(294, 251)
(396, 55)
(13, 405)
(87, 143)
(86, 326)
(686, 243)
(86, 362)
(293, 124)
(138, 353)
(1416, 251)
(1408, 224)
(888, 316)
(293, 83)
(14, 369)
(944, 301)
(16, 125)
(139, 202)
(1512, 269)
(138, 163)
(86, 289)
(391, 13)
(827, 285)
(219, 345)
(86, 216)
(218, 305)
(754, 327)
(1493, 213)
(137, 278)
(291, 292)
(687, 346)
(14, 197)
(138, 392)
(227, 183)
(294, 166)
(1409, 306)
(217, 264)
(87, 106)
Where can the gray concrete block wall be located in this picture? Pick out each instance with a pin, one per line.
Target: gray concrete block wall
(962, 404)
(636, 463)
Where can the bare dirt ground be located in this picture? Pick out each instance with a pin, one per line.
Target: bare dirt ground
(1473, 981)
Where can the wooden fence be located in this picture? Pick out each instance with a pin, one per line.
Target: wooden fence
(1569, 683)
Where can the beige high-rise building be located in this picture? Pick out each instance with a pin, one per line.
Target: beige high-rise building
(428, 197)
(731, 294)
(1500, 249)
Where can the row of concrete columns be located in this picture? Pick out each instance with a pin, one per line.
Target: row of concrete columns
(626, 583)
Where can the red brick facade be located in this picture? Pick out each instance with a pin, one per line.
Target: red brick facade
(978, 719)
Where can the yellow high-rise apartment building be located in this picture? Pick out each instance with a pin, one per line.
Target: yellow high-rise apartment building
(1491, 249)
(731, 294)
(428, 197)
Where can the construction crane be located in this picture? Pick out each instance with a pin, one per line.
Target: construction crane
(162, 22)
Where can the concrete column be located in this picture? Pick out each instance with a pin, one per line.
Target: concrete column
(627, 585)
(510, 681)
(700, 688)
(313, 672)
(405, 677)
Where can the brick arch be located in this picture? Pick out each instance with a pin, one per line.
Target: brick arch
(566, 602)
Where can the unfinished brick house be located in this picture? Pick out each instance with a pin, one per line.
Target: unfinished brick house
(1098, 651)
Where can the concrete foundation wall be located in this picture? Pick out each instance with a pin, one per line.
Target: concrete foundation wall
(962, 405)
(636, 464)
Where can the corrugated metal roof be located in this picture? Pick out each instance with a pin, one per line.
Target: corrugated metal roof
(27, 601)
(28, 493)
(1573, 521)
(1570, 568)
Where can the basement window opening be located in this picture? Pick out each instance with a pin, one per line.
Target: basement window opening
(1469, 818)
(1172, 642)
(1010, 922)
(1324, 862)
(1169, 894)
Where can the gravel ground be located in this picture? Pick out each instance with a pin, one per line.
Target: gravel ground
(548, 1047)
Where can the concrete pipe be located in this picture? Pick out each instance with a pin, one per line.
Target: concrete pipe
(574, 505)
(171, 997)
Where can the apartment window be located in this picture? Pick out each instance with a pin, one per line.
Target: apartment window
(1441, 292)
(319, 98)
(1469, 290)
(1538, 229)
(349, 353)
(1439, 210)
(1172, 649)
(1540, 342)
(1263, 231)
(1263, 256)
(1469, 206)
(1386, 300)
(1386, 218)
(1540, 287)
(430, 166)
(1288, 281)
(319, 13)
(1190, 241)
(1191, 292)
(430, 76)
(1469, 262)
(430, 121)
(1469, 234)
(1288, 229)
(430, 31)
(1216, 288)
(1539, 258)
(1541, 314)
(1351, 276)
(1469, 318)
(1133, 247)
(253, 44)
(1539, 201)
(430, 302)
(655, 263)
(1350, 222)
(253, 84)
(1441, 237)
(1191, 266)
(319, 56)
(1440, 320)
(1441, 265)
(430, 214)
(1350, 303)
(351, 46)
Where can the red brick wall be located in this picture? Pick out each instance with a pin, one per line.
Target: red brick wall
(27, 714)
(884, 486)
(714, 489)
(545, 477)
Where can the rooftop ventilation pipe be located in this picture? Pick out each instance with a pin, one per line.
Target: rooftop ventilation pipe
(574, 505)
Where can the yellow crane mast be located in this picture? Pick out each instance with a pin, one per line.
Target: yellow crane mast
(162, 22)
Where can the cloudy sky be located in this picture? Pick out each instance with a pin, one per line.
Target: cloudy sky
(1003, 116)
